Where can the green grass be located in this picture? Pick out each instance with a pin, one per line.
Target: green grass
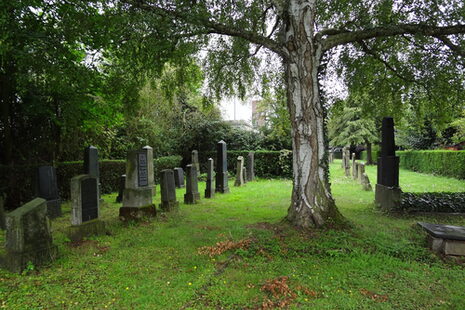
(156, 264)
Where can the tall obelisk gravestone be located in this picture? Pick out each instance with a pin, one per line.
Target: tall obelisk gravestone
(388, 193)
(209, 189)
(221, 168)
(250, 166)
(91, 165)
(137, 195)
(195, 161)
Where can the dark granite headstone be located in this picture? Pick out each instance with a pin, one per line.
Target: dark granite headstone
(122, 182)
(168, 190)
(91, 165)
(221, 168)
(209, 190)
(179, 177)
(85, 205)
(28, 237)
(195, 161)
(47, 188)
(192, 189)
(251, 166)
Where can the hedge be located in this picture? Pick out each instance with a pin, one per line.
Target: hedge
(433, 202)
(17, 181)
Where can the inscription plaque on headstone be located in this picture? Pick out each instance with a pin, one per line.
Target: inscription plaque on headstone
(89, 198)
(142, 170)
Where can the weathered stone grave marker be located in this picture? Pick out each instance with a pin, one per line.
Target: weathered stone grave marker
(47, 188)
(366, 182)
(150, 171)
(28, 237)
(239, 171)
(209, 189)
(388, 193)
(360, 171)
(195, 161)
(346, 161)
(179, 177)
(445, 239)
(221, 168)
(168, 191)
(192, 188)
(122, 184)
(137, 195)
(85, 208)
(354, 167)
(251, 166)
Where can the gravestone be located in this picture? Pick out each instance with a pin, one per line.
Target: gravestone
(244, 174)
(192, 188)
(361, 171)
(122, 183)
(85, 205)
(195, 161)
(47, 188)
(346, 161)
(251, 166)
(168, 191)
(179, 177)
(445, 239)
(388, 193)
(2, 212)
(354, 167)
(239, 171)
(366, 182)
(28, 237)
(137, 194)
(150, 171)
(91, 165)
(209, 190)
(221, 168)
(331, 156)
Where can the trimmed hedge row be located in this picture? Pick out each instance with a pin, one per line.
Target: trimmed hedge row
(17, 181)
(433, 202)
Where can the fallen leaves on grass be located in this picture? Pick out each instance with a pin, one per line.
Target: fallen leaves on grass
(223, 246)
(280, 295)
(373, 296)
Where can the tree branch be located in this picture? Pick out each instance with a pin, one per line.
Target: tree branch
(390, 30)
(454, 48)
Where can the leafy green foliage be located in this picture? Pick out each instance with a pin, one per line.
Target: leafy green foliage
(440, 162)
(433, 202)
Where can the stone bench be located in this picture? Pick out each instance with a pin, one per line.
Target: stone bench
(445, 239)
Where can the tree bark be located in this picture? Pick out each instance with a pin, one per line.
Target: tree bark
(312, 204)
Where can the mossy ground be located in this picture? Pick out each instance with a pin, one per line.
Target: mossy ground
(382, 262)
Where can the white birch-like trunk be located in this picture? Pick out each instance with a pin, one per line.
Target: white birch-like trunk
(312, 204)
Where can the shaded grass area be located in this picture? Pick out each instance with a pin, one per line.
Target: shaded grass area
(382, 262)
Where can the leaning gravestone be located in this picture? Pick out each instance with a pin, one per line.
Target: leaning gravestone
(150, 171)
(168, 190)
(239, 171)
(445, 239)
(91, 165)
(122, 184)
(366, 182)
(137, 195)
(47, 188)
(179, 177)
(2, 212)
(221, 168)
(250, 166)
(85, 208)
(28, 237)
(209, 190)
(192, 187)
(361, 171)
(388, 193)
(195, 161)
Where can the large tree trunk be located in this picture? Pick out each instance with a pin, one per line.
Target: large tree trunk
(312, 204)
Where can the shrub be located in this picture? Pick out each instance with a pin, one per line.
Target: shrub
(433, 202)
(268, 164)
(440, 162)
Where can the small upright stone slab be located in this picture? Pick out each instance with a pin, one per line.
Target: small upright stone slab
(47, 188)
(150, 170)
(192, 188)
(122, 184)
(137, 195)
(168, 191)
(209, 190)
(221, 168)
(28, 237)
(195, 161)
(179, 177)
(346, 161)
(239, 171)
(251, 166)
(85, 208)
(445, 239)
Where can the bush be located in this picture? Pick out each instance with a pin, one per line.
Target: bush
(433, 202)
(440, 162)
(268, 164)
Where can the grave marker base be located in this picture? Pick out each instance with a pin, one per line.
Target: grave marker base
(191, 198)
(137, 213)
(18, 261)
(169, 205)
(387, 198)
(87, 229)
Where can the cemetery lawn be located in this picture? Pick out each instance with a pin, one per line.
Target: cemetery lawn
(381, 262)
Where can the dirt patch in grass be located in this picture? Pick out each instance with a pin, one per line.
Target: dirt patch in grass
(223, 246)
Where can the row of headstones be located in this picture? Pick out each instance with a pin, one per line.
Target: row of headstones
(358, 169)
